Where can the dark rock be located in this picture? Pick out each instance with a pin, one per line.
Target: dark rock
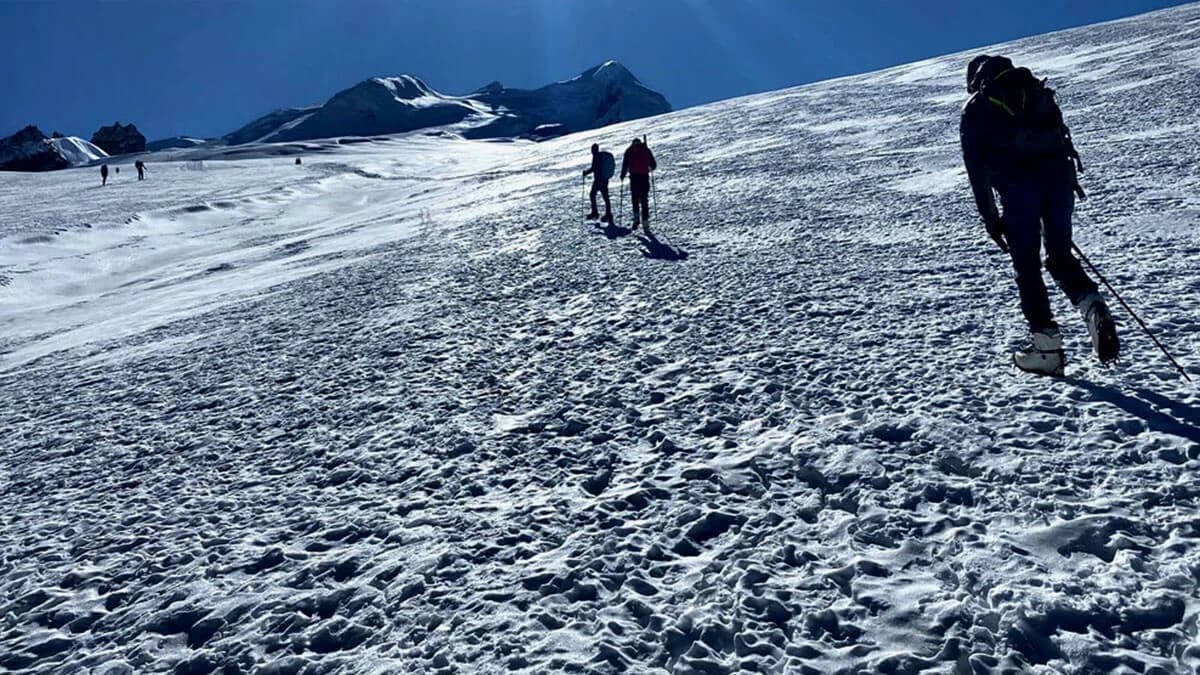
(119, 139)
(29, 150)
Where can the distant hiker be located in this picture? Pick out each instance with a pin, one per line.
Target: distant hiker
(602, 169)
(638, 163)
(1014, 141)
(117, 170)
(297, 161)
(104, 174)
(141, 169)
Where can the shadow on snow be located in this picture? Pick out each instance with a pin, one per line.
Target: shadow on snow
(653, 248)
(1183, 420)
(613, 232)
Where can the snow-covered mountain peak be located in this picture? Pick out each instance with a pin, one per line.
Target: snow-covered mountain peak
(76, 150)
(601, 95)
(404, 87)
(493, 87)
(30, 150)
(609, 71)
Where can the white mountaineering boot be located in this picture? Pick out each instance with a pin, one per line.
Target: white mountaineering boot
(1101, 327)
(1044, 356)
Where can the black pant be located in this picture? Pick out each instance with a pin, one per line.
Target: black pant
(600, 185)
(1037, 209)
(639, 187)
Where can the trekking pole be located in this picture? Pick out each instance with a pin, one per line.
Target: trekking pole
(653, 187)
(654, 191)
(1129, 309)
(621, 202)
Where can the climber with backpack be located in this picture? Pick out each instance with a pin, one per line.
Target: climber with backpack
(638, 163)
(602, 169)
(1016, 144)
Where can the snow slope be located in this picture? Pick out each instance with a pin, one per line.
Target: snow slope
(76, 150)
(263, 127)
(399, 410)
(175, 142)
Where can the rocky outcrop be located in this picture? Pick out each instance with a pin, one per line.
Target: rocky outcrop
(119, 139)
(30, 150)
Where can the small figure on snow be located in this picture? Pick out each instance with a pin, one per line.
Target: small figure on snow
(104, 174)
(1014, 141)
(602, 169)
(141, 169)
(638, 163)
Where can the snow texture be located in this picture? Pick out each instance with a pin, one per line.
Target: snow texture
(400, 410)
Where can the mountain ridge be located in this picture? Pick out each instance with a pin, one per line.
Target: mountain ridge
(603, 94)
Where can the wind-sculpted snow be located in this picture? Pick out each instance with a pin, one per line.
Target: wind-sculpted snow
(400, 410)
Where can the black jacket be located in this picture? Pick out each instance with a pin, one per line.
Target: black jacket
(999, 147)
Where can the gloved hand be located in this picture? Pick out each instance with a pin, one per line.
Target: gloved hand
(996, 230)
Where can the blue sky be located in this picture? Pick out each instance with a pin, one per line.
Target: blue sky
(204, 68)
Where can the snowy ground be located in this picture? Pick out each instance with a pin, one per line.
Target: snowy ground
(399, 410)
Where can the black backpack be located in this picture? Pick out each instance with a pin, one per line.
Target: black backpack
(608, 165)
(1039, 132)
